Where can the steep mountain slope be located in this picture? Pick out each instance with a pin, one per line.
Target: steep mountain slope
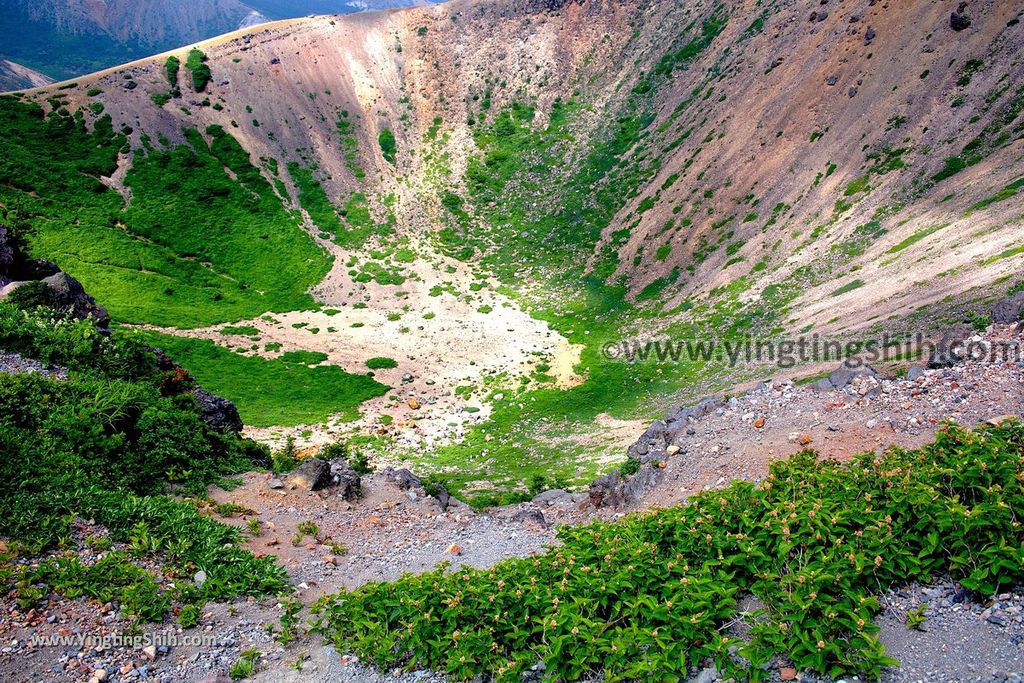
(617, 170)
(64, 38)
(17, 77)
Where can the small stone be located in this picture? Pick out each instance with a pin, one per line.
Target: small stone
(787, 673)
(149, 652)
(200, 578)
(454, 549)
(414, 404)
(760, 422)
(805, 439)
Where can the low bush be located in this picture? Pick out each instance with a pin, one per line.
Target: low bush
(652, 595)
(105, 444)
(196, 63)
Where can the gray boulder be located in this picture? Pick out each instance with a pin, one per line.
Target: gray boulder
(1009, 310)
(348, 481)
(402, 478)
(707, 406)
(844, 374)
(915, 373)
(219, 413)
(948, 352)
(70, 295)
(530, 516)
(641, 483)
(312, 475)
(606, 491)
(552, 497)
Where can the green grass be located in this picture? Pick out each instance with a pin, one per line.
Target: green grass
(1008, 192)
(381, 363)
(849, 287)
(303, 357)
(276, 392)
(194, 248)
(652, 595)
(1005, 254)
(915, 238)
(240, 330)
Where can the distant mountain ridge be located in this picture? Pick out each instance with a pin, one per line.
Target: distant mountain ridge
(14, 76)
(64, 39)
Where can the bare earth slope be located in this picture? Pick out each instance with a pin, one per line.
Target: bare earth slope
(791, 149)
(756, 168)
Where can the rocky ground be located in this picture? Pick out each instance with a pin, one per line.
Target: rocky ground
(392, 525)
(14, 363)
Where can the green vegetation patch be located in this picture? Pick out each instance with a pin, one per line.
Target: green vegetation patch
(304, 357)
(388, 145)
(1008, 192)
(194, 248)
(196, 63)
(651, 596)
(381, 363)
(274, 392)
(104, 444)
(916, 237)
(171, 67)
(849, 287)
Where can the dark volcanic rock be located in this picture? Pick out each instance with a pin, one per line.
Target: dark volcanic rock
(959, 22)
(312, 475)
(220, 413)
(71, 296)
(7, 253)
(606, 491)
(402, 478)
(1008, 310)
(350, 484)
(641, 483)
(440, 493)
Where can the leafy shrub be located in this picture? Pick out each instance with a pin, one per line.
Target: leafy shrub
(196, 63)
(978, 321)
(31, 295)
(630, 467)
(388, 146)
(114, 578)
(171, 67)
(650, 595)
(103, 445)
(381, 363)
(57, 340)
